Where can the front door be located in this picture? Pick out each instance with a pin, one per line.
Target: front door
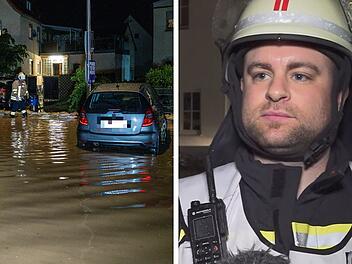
(57, 69)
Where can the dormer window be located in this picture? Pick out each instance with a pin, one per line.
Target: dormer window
(29, 5)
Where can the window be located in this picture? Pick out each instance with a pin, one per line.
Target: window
(29, 5)
(57, 69)
(46, 67)
(39, 68)
(191, 111)
(31, 66)
(38, 34)
(0, 28)
(125, 102)
(30, 31)
(184, 14)
(169, 20)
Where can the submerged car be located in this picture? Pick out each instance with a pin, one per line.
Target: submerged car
(118, 116)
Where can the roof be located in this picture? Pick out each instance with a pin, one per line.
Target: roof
(19, 7)
(162, 3)
(116, 87)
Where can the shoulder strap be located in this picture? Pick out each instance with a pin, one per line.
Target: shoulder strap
(183, 228)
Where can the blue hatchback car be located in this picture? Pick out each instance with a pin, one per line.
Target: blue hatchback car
(130, 116)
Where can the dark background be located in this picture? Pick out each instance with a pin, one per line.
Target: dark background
(106, 15)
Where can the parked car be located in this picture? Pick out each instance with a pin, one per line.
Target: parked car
(120, 116)
(5, 92)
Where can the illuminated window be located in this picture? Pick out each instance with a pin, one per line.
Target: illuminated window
(39, 67)
(191, 111)
(184, 14)
(31, 67)
(46, 67)
(169, 20)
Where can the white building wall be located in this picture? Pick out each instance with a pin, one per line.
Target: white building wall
(162, 38)
(200, 70)
(31, 44)
(75, 59)
(10, 20)
(17, 26)
(104, 61)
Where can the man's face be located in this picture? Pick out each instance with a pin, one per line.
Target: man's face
(286, 96)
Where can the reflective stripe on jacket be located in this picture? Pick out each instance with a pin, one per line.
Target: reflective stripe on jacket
(19, 90)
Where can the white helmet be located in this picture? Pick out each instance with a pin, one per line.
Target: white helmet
(319, 22)
(21, 76)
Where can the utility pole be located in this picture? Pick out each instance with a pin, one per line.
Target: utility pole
(88, 48)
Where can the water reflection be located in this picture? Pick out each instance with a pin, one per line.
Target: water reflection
(43, 149)
(19, 143)
(131, 174)
(68, 205)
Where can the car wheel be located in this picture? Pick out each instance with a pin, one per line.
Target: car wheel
(155, 150)
(81, 145)
(163, 133)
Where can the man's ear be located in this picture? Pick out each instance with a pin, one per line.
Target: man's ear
(342, 97)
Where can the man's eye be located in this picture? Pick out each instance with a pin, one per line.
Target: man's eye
(300, 77)
(260, 76)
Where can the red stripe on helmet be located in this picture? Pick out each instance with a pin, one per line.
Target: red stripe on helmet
(277, 5)
(285, 5)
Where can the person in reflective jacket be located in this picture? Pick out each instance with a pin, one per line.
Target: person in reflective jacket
(18, 95)
(282, 155)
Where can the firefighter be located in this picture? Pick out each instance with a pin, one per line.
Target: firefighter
(282, 155)
(19, 95)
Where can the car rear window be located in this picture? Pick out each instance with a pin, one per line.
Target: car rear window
(124, 102)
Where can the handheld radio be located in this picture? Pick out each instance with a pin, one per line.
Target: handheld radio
(208, 225)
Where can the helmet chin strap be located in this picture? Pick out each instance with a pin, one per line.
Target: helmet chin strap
(323, 140)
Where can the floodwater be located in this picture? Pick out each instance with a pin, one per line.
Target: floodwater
(61, 204)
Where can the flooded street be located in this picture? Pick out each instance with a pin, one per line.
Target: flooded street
(61, 204)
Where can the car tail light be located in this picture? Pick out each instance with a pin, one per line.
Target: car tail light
(148, 117)
(83, 120)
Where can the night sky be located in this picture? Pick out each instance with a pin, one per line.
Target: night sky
(107, 15)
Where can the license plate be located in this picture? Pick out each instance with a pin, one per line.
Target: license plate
(113, 123)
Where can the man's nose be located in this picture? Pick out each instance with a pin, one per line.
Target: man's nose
(278, 90)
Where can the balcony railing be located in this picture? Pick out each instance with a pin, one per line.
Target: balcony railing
(61, 46)
(100, 45)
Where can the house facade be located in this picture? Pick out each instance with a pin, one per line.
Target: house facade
(162, 31)
(25, 29)
(56, 50)
(137, 46)
(202, 104)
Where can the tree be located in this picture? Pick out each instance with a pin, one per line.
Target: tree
(79, 91)
(11, 54)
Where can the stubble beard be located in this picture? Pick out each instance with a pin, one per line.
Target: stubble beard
(280, 138)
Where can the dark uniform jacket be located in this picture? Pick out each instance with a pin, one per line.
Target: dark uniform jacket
(263, 210)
